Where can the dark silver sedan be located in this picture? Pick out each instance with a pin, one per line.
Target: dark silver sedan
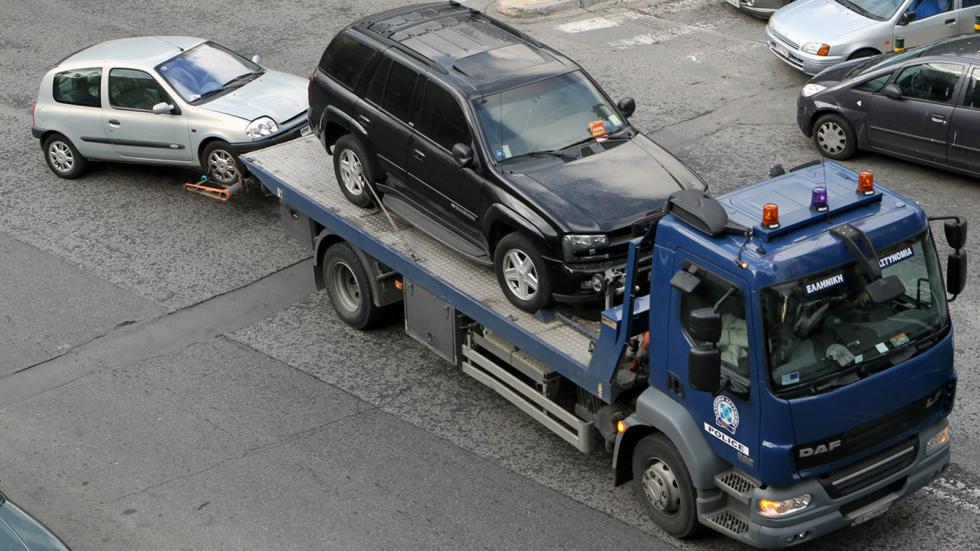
(922, 105)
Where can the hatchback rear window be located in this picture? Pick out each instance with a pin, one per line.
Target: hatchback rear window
(345, 59)
(80, 87)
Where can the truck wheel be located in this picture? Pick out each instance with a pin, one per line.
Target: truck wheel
(834, 137)
(63, 157)
(349, 288)
(521, 272)
(220, 161)
(352, 165)
(661, 480)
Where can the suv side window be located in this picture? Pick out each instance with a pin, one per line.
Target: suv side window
(133, 89)
(398, 91)
(875, 84)
(376, 87)
(346, 58)
(734, 343)
(442, 118)
(930, 81)
(972, 98)
(81, 87)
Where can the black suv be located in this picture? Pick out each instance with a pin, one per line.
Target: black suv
(493, 143)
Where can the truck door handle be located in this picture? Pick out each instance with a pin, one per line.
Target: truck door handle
(939, 119)
(418, 154)
(951, 21)
(113, 122)
(365, 120)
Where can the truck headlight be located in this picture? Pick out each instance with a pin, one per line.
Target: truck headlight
(816, 48)
(777, 509)
(260, 127)
(939, 440)
(576, 245)
(810, 89)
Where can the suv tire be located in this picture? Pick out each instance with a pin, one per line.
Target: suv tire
(522, 273)
(354, 169)
(834, 137)
(63, 157)
(220, 162)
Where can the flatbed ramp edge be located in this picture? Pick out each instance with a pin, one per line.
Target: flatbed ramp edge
(301, 174)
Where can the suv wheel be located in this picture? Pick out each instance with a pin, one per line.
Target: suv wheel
(834, 137)
(63, 158)
(354, 170)
(521, 272)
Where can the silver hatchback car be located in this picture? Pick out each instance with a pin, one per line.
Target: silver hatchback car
(164, 100)
(812, 35)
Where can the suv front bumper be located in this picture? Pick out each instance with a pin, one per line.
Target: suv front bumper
(568, 280)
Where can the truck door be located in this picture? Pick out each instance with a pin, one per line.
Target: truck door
(964, 140)
(729, 422)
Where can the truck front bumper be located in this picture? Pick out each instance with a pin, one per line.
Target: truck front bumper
(826, 514)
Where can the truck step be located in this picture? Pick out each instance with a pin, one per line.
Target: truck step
(736, 484)
(728, 522)
(527, 398)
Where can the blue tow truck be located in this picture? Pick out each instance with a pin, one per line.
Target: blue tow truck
(789, 372)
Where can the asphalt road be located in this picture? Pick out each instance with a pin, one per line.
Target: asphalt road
(168, 379)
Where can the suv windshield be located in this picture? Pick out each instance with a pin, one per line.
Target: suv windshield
(207, 69)
(545, 116)
(823, 331)
(875, 9)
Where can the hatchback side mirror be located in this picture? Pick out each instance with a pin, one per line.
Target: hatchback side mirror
(257, 59)
(626, 106)
(463, 155)
(892, 91)
(163, 108)
(906, 18)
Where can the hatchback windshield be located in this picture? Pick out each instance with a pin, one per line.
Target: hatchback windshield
(875, 9)
(207, 69)
(824, 330)
(547, 115)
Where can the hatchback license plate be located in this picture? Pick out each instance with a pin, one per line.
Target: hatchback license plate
(305, 131)
(780, 50)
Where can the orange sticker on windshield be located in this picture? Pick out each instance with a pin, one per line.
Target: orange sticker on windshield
(597, 128)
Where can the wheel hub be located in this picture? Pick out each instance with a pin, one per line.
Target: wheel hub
(831, 137)
(661, 487)
(352, 172)
(520, 274)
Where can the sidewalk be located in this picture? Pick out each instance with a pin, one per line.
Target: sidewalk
(534, 8)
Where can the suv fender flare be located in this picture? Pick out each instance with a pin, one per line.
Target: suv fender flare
(658, 412)
(333, 115)
(382, 283)
(502, 214)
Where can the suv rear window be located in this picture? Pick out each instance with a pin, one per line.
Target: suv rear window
(81, 87)
(345, 59)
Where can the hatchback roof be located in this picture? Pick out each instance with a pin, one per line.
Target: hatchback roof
(967, 46)
(470, 48)
(143, 50)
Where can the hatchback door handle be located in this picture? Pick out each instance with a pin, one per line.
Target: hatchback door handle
(418, 154)
(113, 122)
(950, 21)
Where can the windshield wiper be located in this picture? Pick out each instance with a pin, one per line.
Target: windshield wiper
(240, 78)
(854, 7)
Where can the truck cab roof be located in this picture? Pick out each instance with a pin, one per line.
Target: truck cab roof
(802, 244)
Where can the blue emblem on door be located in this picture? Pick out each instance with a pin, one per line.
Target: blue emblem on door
(726, 414)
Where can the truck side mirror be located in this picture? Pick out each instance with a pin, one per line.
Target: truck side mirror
(626, 106)
(704, 369)
(956, 272)
(955, 231)
(705, 325)
(463, 154)
(892, 91)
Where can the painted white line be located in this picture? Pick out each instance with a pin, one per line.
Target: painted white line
(595, 23)
(660, 36)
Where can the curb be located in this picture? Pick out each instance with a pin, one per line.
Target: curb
(536, 8)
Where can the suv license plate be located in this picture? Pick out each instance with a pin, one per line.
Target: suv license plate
(874, 513)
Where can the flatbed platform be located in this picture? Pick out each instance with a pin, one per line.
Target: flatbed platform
(301, 173)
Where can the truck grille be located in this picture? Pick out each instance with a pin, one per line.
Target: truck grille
(870, 471)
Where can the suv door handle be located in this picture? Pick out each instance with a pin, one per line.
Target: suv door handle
(365, 120)
(938, 118)
(113, 122)
(418, 154)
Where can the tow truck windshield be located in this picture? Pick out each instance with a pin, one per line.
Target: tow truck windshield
(824, 331)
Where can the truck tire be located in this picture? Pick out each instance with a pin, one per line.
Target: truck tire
(834, 137)
(349, 288)
(521, 272)
(354, 169)
(661, 481)
(63, 157)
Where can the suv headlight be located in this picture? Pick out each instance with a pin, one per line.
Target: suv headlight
(810, 89)
(816, 48)
(574, 245)
(776, 509)
(260, 127)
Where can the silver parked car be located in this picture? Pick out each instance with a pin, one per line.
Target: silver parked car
(812, 35)
(762, 9)
(164, 100)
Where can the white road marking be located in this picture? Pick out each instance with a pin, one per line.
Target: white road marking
(595, 23)
(661, 36)
(955, 493)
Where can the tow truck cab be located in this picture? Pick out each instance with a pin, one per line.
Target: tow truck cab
(802, 362)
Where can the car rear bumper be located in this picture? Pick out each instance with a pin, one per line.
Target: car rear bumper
(37, 132)
(292, 131)
(757, 8)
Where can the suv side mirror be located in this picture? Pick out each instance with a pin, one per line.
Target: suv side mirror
(892, 91)
(626, 106)
(955, 231)
(906, 18)
(257, 59)
(163, 108)
(463, 154)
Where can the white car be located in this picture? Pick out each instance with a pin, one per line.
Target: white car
(170, 100)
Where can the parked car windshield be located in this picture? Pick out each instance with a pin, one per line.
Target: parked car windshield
(548, 115)
(207, 69)
(823, 328)
(875, 9)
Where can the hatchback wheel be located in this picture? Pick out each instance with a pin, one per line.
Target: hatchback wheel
(355, 170)
(521, 272)
(221, 163)
(834, 137)
(63, 158)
